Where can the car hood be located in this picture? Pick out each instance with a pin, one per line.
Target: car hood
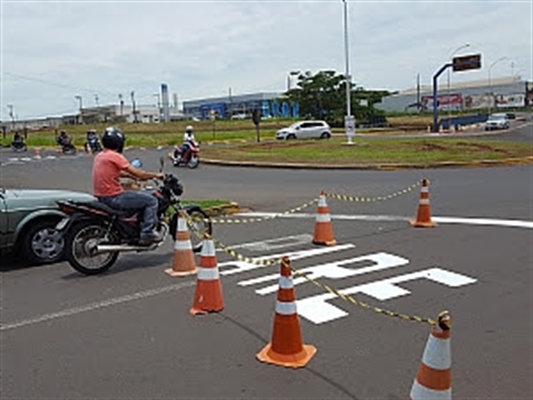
(42, 198)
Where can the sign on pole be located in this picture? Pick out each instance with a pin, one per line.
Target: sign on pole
(349, 125)
(464, 63)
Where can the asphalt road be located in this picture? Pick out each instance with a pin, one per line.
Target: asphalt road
(129, 334)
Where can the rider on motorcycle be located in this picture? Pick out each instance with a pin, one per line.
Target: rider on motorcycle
(188, 140)
(63, 139)
(110, 165)
(92, 144)
(18, 141)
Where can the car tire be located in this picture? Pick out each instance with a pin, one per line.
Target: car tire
(325, 135)
(41, 243)
(291, 136)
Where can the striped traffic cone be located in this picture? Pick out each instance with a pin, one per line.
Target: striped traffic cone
(423, 215)
(183, 263)
(208, 293)
(323, 233)
(286, 348)
(434, 377)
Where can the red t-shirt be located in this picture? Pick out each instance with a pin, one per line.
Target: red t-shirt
(106, 172)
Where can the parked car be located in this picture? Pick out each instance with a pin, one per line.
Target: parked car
(305, 130)
(497, 121)
(27, 222)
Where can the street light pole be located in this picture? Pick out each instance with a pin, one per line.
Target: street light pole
(491, 95)
(450, 57)
(80, 100)
(349, 123)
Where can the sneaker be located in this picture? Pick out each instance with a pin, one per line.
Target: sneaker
(154, 237)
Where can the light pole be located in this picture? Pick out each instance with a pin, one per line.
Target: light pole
(80, 100)
(450, 57)
(121, 101)
(491, 95)
(10, 106)
(349, 122)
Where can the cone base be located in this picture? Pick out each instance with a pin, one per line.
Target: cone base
(172, 272)
(418, 224)
(326, 243)
(298, 360)
(196, 311)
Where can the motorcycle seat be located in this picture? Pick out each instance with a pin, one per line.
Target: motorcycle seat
(98, 205)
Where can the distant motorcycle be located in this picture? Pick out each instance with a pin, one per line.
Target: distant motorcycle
(18, 145)
(189, 158)
(92, 145)
(66, 145)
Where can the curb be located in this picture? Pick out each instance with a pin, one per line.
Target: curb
(380, 167)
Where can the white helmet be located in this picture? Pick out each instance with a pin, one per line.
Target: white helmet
(188, 129)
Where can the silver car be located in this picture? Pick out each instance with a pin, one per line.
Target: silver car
(497, 121)
(305, 130)
(28, 219)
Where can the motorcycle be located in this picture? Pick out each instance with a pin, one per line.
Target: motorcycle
(18, 145)
(95, 234)
(190, 158)
(92, 145)
(67, 147)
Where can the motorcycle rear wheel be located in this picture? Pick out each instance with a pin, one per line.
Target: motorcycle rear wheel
(80, 248)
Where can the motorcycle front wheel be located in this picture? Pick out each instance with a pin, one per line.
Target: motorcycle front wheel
(193, 162)
(80, 248)
(198, 222)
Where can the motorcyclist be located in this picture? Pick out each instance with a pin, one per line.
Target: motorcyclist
(188, 140)
(92, 144)
(17, 139)
(63, 139)
(108, 167)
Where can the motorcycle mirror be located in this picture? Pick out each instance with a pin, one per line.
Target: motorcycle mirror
(136, 163)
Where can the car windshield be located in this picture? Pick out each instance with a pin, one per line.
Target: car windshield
(497, 116)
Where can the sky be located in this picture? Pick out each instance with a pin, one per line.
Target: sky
(53, 51)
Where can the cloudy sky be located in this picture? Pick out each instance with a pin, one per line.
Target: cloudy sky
(52, 51)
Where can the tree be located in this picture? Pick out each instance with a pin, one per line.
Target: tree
(323, 96)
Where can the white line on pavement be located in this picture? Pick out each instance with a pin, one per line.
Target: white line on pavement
(443, 220)
(94, 306)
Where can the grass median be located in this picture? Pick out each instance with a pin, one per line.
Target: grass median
(376, 150)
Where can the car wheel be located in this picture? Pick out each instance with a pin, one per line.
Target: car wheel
(42, 243)
(291, 136)
(325, 135)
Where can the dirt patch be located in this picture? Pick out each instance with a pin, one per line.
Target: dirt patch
(482, 147)
(432, 147)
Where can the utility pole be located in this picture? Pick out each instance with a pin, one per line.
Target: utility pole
(10, 106)
(349, 120)
(121, 101)
(80, 101)
(134, 111)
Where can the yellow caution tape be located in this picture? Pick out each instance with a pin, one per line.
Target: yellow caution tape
(371, 199)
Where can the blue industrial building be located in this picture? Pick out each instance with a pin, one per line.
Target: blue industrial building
(241, 106)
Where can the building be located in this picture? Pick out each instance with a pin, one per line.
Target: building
(472, 95)
(270, 104)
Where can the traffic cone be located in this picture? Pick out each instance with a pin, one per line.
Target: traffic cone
(208, 293)
(434, 377)
(423, 215)
(286, 348)
(323, 229)
(183, 263)
(37, 154)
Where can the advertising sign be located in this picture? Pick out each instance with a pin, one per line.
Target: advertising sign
(453, 101)
(478, 101)
(349, 125)
(510, 100)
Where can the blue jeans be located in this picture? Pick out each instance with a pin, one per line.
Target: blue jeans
(136, 201)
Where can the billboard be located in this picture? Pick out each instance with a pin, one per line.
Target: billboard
(510, 100)
(452, 101)
(478, 101)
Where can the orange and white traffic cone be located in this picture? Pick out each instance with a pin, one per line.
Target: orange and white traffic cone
(434, 377)
(423, 215)
(184, 263)
(286, 348)
(323, 233)
(37, 154)
(208, 293)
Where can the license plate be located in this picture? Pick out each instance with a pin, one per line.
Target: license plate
(61, 224)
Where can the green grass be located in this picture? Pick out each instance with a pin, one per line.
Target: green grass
(386, 150)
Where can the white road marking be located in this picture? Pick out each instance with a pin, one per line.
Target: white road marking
(512, 223)
(94, 306)
(317, 310)
(276, 243)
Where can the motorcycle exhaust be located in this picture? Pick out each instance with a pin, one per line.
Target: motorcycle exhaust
(108, 248)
